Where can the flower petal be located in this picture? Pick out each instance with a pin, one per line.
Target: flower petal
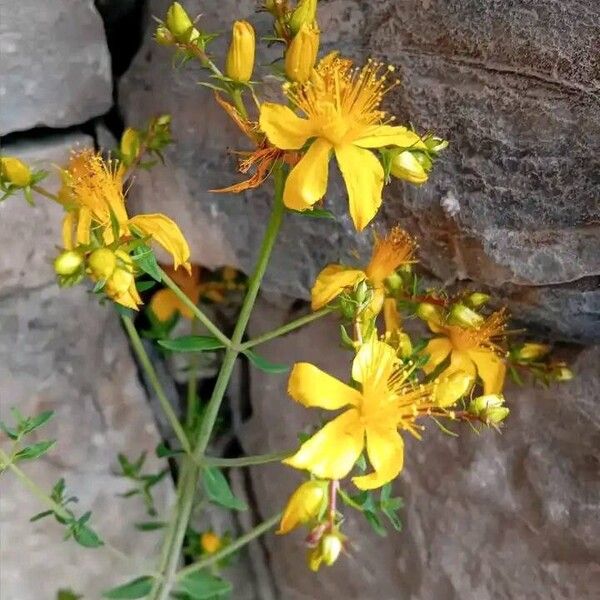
(491, 369)
(373, 364)
(312, 387)
(67, 230)
(378, 136)
(438, 349)
(307, 182)
(82, 229)
(363, 175)
(461, 361)
(331, 282)
(332, 451)
(165, 232)
(385, 448)
(165, 304)
(283, 127)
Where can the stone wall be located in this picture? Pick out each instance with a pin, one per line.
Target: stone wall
(512, 207)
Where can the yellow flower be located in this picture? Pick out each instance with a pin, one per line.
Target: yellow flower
(304, 504)
(15, 171)
(326, 552)
(165, 303)
(210, 542)
(471, 349)
(120, 286)
(343, 114)
(240, 57)
(93, 197)
(389, 253)
(301, 56)
(386, 402)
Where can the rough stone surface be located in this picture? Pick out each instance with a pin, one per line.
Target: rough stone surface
(514, 204)
(61, 351)
(55, 67)
(487, 517)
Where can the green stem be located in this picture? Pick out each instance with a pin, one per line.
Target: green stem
(197, 312)
(192, 387)
(172, 543)
(291, 326)
(236, 96)
(43, 192)
(229, 549)
(144, 359)
(246, 461)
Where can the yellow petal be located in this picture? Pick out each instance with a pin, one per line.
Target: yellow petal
(67, 231)
(378, 136)
(452, 387)
(331, 282)
(165, 232)
(491, 369)
(460, 361)
(84, 222)
(385, 448)
(391, 316)
(307, 182)
(304, 504)
(165, 304)
(283, 127)
(363, 175)
(332, 451)
(312, 387)
(373, 364)
(438, 349)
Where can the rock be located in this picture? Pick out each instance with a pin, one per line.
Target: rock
(494, 516)
(511, 206)
(61, 351)
(55, 69)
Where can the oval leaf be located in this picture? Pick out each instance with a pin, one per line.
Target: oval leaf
(218, 491)
(35, 450)
(202, 586)
(137, 588)
(265, 365)
(192, 343)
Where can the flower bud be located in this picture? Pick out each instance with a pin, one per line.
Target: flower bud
(240, 57)
(530, 351)
(452, 387)
(305, 13)
(304, 504)
(464, 317)
(179, 23)
(68, 263)
(477, 299)
(119, 282)
(429, 312)
(435, 144)
(130, 145)
(163, 36)
(406, 166)
(301, 56)
(15, 171)
(489, 408)
(331, 546)
(102, 264)
(562, 373)
(210, 542)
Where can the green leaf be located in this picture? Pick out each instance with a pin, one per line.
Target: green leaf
(149, 525)
(11, 433)
(375, 523)
(67, 595)
(137, 588)
(35, 422)
(203, 586)
(265, 365)
(163, 452)
(192, 343)
(316, 213)
(84, 535)
(218, 491)
(143, 286)
(41, 515)
(146, 261)
(35, 450)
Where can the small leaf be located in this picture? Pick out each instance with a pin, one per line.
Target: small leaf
(146, 261)
(137, 588)
(265, 365)
(218, 491)
(192, 343)
(316, 213)
(143, 286)
(375, 523)
(203, 586)
(41, 515)
(85, 536)
(149, 525)
(67, 595)
(11, 433)
(163, 452)
(35, 450)
(37, 421)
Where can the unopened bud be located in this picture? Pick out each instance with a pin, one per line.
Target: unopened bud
(452, 387)
(68, 263)
(163, 36)
(15, 171)
(429, 312)
(489, 408)
(301, 56)
(102, 263)
(477, 299)
(210, 542)
(178, 22)
(304, 504)
(406, 166)
(562, 373)
(305, 13)
(361, 292)
(464, 317)
(331, 546)
(119, 282)
(435, 144)
(530, 351)
(130, 145)
(240, 57)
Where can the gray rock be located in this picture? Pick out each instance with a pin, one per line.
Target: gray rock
(513, 201)
(61, 351)
(55, 68)
(495, 516)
